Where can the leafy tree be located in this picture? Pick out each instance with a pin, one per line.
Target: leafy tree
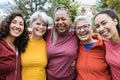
(72, 6)
(102, 4)
(112, 4)
(29, 6)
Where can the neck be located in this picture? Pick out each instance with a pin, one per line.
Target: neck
(115, 40)
(89, 41)
(63, 34)
(36, 37)
(10, 42)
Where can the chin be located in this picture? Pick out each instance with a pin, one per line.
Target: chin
(83, 39)
(39, 34)
(61, 32)
(16, 35)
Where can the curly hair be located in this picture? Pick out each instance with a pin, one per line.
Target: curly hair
(21, 41)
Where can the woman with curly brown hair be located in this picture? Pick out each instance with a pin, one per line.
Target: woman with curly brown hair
(13, 40)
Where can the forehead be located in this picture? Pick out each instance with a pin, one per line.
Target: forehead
(18, 18)
(102, 17)
(82, 22)
(39, 21)
(61, 13)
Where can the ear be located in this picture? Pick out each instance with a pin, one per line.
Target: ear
(115, 21)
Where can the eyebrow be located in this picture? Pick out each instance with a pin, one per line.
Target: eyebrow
(102, 21)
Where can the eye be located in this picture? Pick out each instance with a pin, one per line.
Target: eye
(45, 25)
(56, 19)
(37, 23)
(104, 23)
(22, 24)
(13, 22)
(63, 19)
(85, 26)
(77, 28)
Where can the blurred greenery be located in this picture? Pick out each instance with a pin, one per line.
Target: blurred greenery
(112, 4)
(30, 6)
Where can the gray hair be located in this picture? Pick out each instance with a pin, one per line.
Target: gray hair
(81, 18)
(41, 16)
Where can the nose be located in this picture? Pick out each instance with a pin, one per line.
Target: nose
(60, 21)
(101, 28)
(17, 25)
(82, 30)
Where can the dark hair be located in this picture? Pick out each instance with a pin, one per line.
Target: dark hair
(21, 41)
(111, 13)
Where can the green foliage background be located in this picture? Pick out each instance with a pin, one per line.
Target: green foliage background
(30, 6)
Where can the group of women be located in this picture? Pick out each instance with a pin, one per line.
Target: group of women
(60, 52)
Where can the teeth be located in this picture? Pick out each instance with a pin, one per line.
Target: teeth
(83, 33)
(61, 27)
(39, 30)
(16, 31)
(104, 33)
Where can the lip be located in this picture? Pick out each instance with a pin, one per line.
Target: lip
(83, 34)
(105, 32)
(16, 29)
(61, 27)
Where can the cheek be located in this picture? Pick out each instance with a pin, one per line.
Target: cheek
(77, 32)
(55, 23)
(97, 30)
(45, 29)
(22, 28)
(68, 22)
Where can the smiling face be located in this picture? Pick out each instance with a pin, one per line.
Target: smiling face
(38, 28)
(62, 21)
(84, 30)
(16, 26)
(106, 26)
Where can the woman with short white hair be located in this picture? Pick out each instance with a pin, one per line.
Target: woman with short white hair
(34, 59)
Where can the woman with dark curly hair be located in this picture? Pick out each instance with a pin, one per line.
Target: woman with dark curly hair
(13, 40)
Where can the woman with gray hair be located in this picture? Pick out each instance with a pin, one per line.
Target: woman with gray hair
(34, 59)
(62, 46)
(91, 63)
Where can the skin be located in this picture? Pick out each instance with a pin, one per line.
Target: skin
(85, 36)
(39, 28)
(62, 22)
(106, 27)
(16, 29)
